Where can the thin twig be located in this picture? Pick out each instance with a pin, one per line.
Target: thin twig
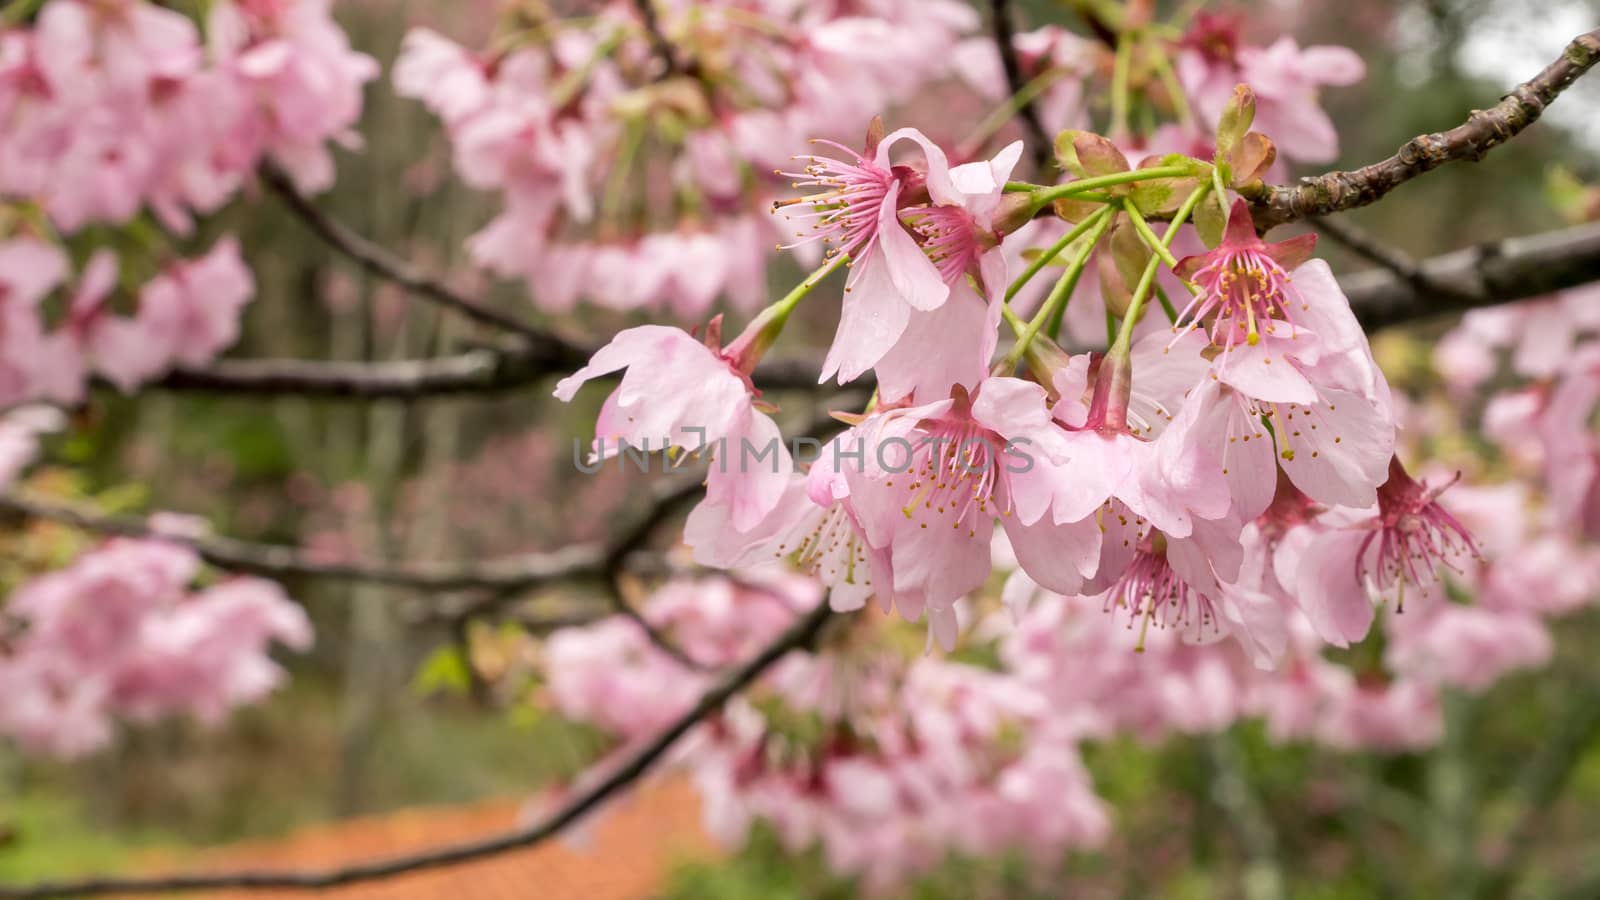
(634, 539)
(1004, 31)
(801, 634)
(1484, 130)
(518, 572)
(382, 263)
(477, 371)
(1372, 250)
(658, 41)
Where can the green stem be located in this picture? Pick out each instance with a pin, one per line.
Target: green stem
(633, 133)
(1083, 185)
(1006, 111)
(1056, 302)
(1119, 85)
(567, 88)
(1141, 292)
(1169, 80)
(1222, 192)
(764, 329)
(1161, 245)
(1018, 326)
(1147, 279)
(799, 291)
(1166, 305)
(1054, 250)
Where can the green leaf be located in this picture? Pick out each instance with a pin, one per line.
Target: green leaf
(1211, 220)
(444, 671)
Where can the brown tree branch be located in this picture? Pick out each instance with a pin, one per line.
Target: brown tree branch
(1368, 248)
(1485, 275)
(1004, 31)
(513, 573)
(382, 263)
(801, 634)
(477, 371)
(1274, 205)
(659, 44)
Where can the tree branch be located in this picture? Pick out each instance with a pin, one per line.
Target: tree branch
(513, 573)
(1485, 275)
(383, 264)
(478, 371)
(659, 44)
(1004, 31)
(802, 633)
(1365, 246)
(1483, 131)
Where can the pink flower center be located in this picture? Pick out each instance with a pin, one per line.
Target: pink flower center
(844, 212)
(1413, 537)
(953, 476)
(1152, 592)
(832, 550)
(950, 238)
(1245, 293)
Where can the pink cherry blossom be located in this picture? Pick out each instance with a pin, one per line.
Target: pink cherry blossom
(1291, 351)
(680, 392)
(1284, 77)
(1357, 561)
(193, 307)
(119, 635)
(20, 430)
(936, 479)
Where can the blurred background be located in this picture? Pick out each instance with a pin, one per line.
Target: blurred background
(385, 714)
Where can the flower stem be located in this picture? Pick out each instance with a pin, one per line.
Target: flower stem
(1006, 111)
(1222, 191)
(1061, 293)
(1147, 279)
(1161, 245)
(1082, 186)
(1166, 305)
(763, 331)
(1119, 85)
(799, 291)
(1169, 80)
(1054, 250)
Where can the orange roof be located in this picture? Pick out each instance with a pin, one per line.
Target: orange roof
(624, 854)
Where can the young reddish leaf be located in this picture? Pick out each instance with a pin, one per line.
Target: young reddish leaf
(1087, 155)
(1251, 158)
(1075, 211)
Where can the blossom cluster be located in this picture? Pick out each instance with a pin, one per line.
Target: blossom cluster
(886, 764)
(1154, 468)
(120, 634)
(186, 315)
(636, 178)
(112, 106)
(117, 107)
